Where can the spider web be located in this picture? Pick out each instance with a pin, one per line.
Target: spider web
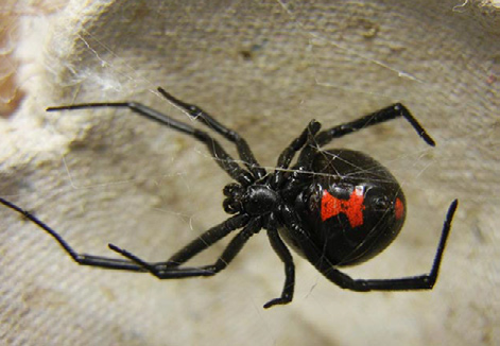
(264, 69)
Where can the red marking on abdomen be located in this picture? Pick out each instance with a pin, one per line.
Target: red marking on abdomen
(352, 207)
(399, 209)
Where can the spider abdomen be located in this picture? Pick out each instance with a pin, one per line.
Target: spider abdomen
(352, 209)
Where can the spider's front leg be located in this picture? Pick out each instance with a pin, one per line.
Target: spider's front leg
(165, 270)
(82, 259)
(199, 114)
(206, 240)
(221, 157)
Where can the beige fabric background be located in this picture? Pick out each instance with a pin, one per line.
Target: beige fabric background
(264, 69)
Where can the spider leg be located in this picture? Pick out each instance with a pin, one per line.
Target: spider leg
(83, 259)
(289, 152)
(326, 136)
(286, 257)
(389, 113)
(421, 282)
(164, 271)
(199, 114)
(223, 159)
(206, 240)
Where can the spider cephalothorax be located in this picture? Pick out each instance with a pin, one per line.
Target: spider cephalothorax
(334, 207)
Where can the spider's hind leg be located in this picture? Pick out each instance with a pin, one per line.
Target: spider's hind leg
(385, 114)
(420, 282)
(391, 112)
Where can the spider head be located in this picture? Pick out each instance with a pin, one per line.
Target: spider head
(253, 200)
(234, 193)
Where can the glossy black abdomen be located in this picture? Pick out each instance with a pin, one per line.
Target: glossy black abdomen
(352, 209)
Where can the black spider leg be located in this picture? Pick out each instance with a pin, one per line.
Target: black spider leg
(286, 257)
(242, 146)
(163, 271)
(420, 282)
(204, 241)
(277, 180)
(289, 152)
(225, 161)
(83, 259)
(389, 113)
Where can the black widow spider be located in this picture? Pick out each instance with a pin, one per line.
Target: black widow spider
(334, 207)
